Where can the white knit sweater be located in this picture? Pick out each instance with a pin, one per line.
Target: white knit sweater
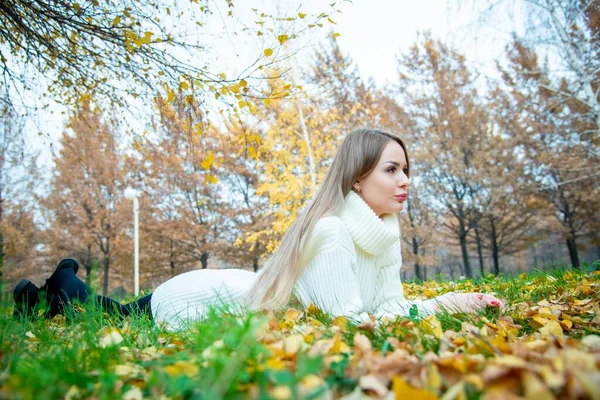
(350, 266)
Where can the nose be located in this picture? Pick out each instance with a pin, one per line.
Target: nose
(403, 181)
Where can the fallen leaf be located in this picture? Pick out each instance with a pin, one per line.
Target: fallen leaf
(402, 390)
(551, 328)
(112, 338)
(186, 368)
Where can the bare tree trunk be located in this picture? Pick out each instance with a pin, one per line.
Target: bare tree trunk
(494, 240)
(424, 270)
(106, 269)
(172, 259)
(463, 247)
(479, 251)
(573, 254)
(204, 259)
(415, 247)
(88, 265)
(255, 264)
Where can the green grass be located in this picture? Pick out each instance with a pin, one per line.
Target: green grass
(231, 356)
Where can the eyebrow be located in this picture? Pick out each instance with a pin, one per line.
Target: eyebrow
(397, 164)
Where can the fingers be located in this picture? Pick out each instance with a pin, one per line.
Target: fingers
(493, 301)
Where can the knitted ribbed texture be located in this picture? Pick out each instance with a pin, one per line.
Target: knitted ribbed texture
(350, 266)
(186, 296)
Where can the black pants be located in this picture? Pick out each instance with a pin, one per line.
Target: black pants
(139, 306)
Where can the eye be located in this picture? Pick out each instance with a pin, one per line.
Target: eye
(391, 169)
(405, 170)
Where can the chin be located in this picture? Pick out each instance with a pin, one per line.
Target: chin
(395, 209)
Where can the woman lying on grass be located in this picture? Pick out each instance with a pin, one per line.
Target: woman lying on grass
(342, 253)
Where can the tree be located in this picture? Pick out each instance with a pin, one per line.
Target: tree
(418, 231)
(450, 128)
(85, 207)
(336, 85)
(248, 211)
(552, 137)
(121, 50)
(18, 174)
(179, 175)
(568, 32)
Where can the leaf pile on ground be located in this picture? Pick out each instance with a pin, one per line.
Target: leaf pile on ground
(544, 345)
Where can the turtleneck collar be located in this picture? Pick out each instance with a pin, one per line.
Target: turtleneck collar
(368, 231)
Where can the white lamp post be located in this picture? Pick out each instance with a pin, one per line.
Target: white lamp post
(133, 194)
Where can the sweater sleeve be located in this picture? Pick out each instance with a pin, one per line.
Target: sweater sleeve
(327, 279)
(391, 301)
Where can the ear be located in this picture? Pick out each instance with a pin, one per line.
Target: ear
(356, 185)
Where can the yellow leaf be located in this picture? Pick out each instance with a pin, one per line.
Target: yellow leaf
(332, 21)
(268, 52)
(292, 344)
(311, 381)
(434, 379)
(128, 370)
(266, 102)
(301, 15)
(73, 393)
(184, 85)
(259, 33)
(566, 324)
(341, 322)
(275, 363)
(534, 388)
(170, 95)
(252, 152)
(291, 314)
(336, 347)
(281, 393)
(402, 390)
(551, 328)
(182, 368)
(208, 162)
(510, 361)
(222, 75)
(282, 39)
(538, 321)
(336, 34)
(116, 21)
(432, 325)
(243, 83)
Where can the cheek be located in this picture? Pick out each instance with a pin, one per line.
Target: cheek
(380, 187)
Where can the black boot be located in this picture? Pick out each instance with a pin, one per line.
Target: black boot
(65, 284)
(27, 297)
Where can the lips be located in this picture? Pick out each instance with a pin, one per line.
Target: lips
(401, 197)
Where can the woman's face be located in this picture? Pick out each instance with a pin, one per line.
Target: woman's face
(385, 189)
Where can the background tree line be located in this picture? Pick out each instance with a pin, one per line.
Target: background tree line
(504, 171)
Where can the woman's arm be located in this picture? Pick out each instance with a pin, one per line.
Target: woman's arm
(391, 301)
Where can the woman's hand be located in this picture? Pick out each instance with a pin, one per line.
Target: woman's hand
(466, 302)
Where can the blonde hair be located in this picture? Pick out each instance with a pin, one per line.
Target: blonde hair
(356, 157)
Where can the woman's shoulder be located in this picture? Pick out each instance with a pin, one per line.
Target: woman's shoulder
(329, 232)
